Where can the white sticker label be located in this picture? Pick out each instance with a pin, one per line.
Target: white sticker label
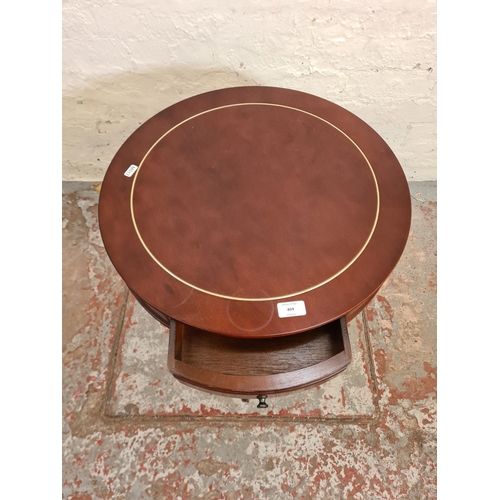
(131, 170)
(288, 309)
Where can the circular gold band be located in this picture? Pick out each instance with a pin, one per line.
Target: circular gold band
(253, 299)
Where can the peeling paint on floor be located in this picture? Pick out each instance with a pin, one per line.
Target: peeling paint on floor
(131, 431)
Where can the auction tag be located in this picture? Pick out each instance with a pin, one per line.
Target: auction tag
(288, 309)
(131, 170)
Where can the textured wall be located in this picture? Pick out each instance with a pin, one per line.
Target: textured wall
(124, 61)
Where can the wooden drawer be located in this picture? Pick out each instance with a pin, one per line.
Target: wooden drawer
(252, 367)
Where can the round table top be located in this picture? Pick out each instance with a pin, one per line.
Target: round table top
(254, 211)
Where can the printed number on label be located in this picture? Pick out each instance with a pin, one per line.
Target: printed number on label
(131, 170)
(289, 309)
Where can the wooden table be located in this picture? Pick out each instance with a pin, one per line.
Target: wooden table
(256, 222)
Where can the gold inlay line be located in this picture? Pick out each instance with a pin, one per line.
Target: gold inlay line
(256, 299)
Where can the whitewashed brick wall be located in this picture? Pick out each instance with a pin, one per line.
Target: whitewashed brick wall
(124, 61)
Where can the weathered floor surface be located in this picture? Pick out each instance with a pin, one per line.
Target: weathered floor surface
(131, 431)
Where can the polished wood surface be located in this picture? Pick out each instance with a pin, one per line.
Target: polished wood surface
(244, 211)
(249, 197)
(252, 367)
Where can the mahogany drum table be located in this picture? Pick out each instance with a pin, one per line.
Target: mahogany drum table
(255, 222)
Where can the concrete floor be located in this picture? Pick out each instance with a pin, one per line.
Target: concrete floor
(131, 431)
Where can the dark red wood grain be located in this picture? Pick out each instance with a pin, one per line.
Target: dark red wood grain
(254, 201)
